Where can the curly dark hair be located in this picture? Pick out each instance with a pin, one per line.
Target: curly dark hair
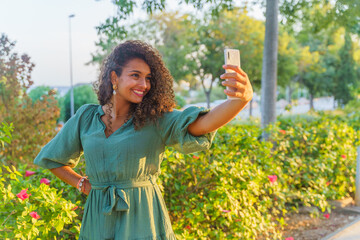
(156, 102)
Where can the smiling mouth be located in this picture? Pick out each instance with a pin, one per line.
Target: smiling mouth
(138, 93)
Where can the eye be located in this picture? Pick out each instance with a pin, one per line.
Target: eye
(148, 78)
(135, 75)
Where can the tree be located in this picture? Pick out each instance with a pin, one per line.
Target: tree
(314, 38)
(312, 79)
(37, 93)
(343, 13)
(170, 33)
(192, 47)
(83, 94)
(189, 46)
(346, 74)
(34, 124)
(310, 70)
(316, 22)
(287, 61)
(317, 33)
(269, 72)
(247, 35)
(176, 42)
(195, 45)
(269, 69)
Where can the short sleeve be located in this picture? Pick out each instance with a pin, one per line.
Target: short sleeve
(65, 148)
(174, 133)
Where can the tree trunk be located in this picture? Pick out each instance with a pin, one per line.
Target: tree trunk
(251, 108)
(289, 92)
(207, 94)
(311, 101)
(269, 68)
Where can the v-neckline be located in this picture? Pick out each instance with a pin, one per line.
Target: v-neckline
(101, 113)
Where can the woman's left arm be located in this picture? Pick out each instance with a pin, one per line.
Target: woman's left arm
(225, 112)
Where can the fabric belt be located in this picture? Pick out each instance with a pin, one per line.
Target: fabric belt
(115, 196)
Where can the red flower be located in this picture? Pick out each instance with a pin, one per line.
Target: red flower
(272, 178)
(237, 220)
(76, 207)
(45, 181)
(343, 156)
(34, 215)
(29, 173)
(188, 227)
(23, 195)
(282, 131)
(226, 211)
(289, 238)
(195, 157)
(328, 183)
(327, 216)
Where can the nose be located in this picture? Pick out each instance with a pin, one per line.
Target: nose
(143, 84)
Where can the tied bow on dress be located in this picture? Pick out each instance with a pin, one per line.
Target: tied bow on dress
(115, 198)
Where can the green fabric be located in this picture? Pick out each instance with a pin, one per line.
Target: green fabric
(125, 201)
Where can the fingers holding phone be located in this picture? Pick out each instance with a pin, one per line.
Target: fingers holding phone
(238, 86)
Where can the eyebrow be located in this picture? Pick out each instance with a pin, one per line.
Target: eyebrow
(137, 71)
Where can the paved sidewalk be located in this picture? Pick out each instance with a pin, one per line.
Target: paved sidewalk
(350, 231)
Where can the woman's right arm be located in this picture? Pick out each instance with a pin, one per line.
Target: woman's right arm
(69, 176)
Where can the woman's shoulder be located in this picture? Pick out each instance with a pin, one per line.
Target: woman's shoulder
(88, 106)
(186, 111)
(87, 111)
(180, 116)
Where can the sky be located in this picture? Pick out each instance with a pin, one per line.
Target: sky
(40, 29)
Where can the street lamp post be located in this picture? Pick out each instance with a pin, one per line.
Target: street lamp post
(71, 74)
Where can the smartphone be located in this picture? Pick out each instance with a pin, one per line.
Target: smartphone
(232, 56)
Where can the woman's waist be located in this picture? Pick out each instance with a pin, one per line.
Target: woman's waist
(115, 196)
(125, 183)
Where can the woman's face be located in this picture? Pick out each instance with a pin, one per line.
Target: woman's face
(134, 82)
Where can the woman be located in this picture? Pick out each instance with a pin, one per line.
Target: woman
(123, 140)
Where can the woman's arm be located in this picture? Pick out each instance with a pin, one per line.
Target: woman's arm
(68, 175)
(225, 112)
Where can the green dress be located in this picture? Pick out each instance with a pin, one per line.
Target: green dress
(124, 202)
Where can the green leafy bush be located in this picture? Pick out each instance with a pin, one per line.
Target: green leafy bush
(228, 192)
(25, 198)
(33, 122)
(240, 189)
(222, 194)
(5, 134)
(318, 155)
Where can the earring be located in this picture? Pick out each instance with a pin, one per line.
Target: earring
(114, 87)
